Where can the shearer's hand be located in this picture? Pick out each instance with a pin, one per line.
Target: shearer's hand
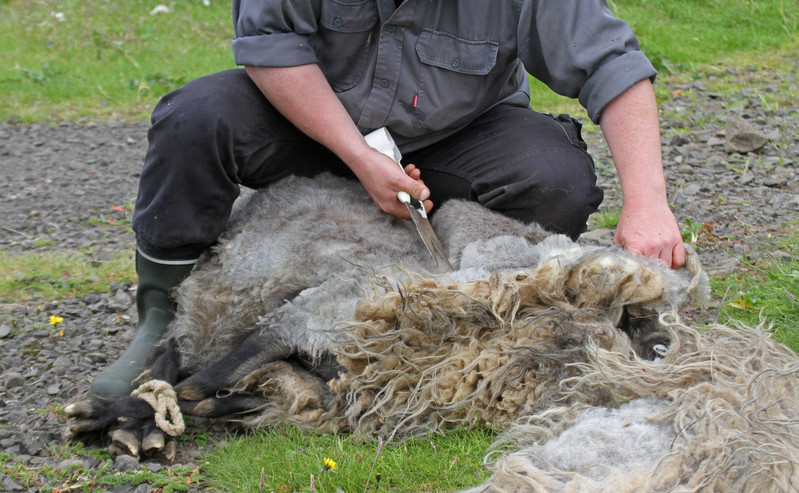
(651, 231)
(383, 179)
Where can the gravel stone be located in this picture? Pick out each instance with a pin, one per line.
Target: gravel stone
(126, 463)
(13, 379)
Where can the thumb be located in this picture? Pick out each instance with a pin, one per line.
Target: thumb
(417, 189)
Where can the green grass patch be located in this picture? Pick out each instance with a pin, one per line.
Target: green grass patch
(680, 35)
(768, 289)
(76, 477)
(107, 60)
(59, 276)
(605, 218)
(104, 60)
(284, 458)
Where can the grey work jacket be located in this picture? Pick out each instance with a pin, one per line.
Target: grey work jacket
(429, 67)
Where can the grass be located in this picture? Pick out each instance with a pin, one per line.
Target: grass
(106, 60)
(764, 290)
(58, 276)
(101, 61)
(76, 477)
(285, 458)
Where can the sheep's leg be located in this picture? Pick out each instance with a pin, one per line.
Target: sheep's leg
(295, 386)
(258, 349)
(217, 407)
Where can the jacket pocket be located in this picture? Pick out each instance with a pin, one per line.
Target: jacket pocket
(345, 34)
(455, 54)
(456, 80)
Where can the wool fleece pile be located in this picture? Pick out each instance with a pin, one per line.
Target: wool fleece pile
(577, 352)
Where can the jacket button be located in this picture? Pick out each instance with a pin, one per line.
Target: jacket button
(337, 22)
(455, 63)
(383, 83)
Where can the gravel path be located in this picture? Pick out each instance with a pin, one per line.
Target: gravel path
(63, 186)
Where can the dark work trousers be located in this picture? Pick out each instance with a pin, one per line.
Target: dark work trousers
(219, 132)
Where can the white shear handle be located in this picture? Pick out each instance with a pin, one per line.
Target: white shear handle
(382, 141)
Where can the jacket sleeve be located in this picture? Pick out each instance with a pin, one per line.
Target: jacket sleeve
(274, 33)
(580, 50)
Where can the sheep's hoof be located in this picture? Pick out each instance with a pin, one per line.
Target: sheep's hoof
(167, 454)
(115, 451)
(81, 426)
(153, 442)
(79, 409)
(126, 441)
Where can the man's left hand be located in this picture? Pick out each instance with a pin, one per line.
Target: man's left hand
(652, 232)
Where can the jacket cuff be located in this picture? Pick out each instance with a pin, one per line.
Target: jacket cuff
(273, 50)
(612, 79)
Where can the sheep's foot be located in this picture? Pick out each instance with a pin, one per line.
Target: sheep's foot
(126, 424)
(97, 415)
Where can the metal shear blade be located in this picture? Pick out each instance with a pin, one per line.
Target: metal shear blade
(382, 141)
(425, 230)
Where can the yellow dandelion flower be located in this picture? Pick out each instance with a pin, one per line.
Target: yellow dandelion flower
(55, 320)
(330, 464)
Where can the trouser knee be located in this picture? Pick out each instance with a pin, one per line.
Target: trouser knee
(530, 166)
(207, 138)
(189, 180)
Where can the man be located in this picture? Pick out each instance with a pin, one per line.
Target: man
(448, 78)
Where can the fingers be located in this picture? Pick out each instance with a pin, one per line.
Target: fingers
(678, 256)
(418, 190)
(673, 256)
(412, 171)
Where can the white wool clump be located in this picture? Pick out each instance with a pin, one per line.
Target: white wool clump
(603, 440)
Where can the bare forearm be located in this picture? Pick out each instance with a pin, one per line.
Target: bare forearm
(631, 127)
(304, 97)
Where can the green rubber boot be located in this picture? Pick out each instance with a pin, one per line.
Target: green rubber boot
(156, 309)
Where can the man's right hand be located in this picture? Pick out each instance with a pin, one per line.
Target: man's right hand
(383, 179)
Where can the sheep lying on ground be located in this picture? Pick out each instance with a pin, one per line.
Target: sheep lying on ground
(316, 309)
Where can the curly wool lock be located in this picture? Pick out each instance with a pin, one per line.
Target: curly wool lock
(719, 414)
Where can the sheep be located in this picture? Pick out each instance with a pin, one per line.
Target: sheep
(316, 309)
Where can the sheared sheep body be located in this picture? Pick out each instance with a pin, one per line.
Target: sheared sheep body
(311, 263)
(523, 336)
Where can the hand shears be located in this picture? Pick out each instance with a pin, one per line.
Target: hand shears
(382, 141)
